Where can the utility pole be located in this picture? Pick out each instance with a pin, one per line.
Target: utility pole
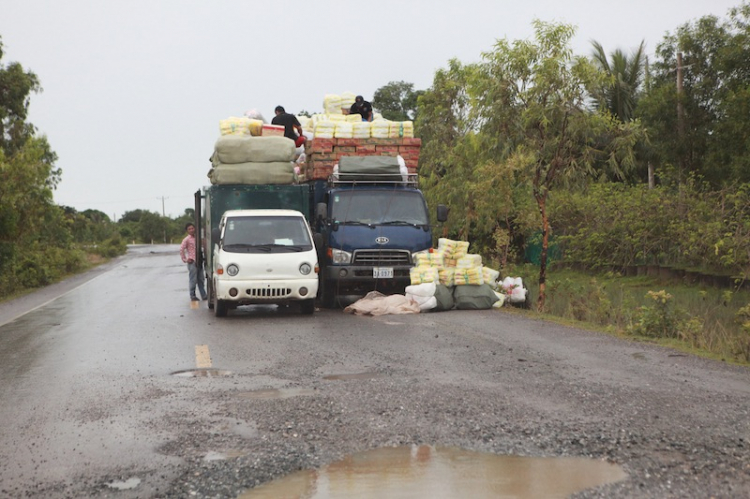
(164, 216)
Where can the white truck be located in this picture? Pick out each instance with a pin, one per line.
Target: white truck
(261, 256)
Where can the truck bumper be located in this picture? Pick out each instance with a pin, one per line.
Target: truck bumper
(349, 279)
(248, 292)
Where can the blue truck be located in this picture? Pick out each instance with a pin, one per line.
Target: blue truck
(368, 231)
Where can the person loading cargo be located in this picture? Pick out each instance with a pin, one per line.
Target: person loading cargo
(362, 107)
(290, 123)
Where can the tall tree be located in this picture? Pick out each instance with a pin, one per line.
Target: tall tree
(397, 101)
(16, 86)
(532, 96)
(715, 72)
(625, 75)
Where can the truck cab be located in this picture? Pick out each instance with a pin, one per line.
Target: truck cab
(263, 256)
(369, 232)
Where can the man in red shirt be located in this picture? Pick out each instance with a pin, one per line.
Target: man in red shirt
(188, 254)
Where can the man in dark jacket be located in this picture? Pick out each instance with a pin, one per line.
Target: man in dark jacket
(290, 123)
(362, 107)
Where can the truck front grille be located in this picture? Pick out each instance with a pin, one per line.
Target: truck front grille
(382, 258)
(261, 293)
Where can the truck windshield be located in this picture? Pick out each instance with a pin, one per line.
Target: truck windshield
(379, 207)
(258, 234)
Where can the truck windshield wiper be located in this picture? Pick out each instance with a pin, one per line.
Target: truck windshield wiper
(401, 222)
(355, 222)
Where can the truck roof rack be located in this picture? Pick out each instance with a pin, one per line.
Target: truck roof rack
(407, 179)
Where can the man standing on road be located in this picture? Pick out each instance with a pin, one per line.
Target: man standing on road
(290, 123)
(188, 254)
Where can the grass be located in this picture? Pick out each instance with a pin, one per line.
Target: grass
(705, 321)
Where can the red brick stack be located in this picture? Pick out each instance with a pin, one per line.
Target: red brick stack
(322, 154)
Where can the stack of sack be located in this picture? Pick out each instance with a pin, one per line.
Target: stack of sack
(245, 159)
(462, 281)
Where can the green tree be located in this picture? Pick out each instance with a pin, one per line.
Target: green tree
(531, 101)
(397, 101)
(625, 73)
(16, 86)
(713, 133)
(152, 227)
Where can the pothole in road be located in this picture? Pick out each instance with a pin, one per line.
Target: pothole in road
(442, 472)
(355, 376)
(202, 373)
(281, 393)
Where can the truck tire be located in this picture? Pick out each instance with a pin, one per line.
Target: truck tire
(210, 295)
(327, 294)
(307, 306)
(220, 308)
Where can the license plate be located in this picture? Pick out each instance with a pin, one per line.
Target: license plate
(382, 272)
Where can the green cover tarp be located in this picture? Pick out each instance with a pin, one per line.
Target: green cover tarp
(370, 168)
(236, 149)
(253, 173)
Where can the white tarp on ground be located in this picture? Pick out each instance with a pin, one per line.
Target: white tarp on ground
(376, 303)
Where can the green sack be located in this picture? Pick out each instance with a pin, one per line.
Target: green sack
(444, 297)
(474, 297)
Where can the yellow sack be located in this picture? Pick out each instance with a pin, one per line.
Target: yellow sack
(380, 129)
(421, 275)
(332, 103)
(468, 276)
(235, 126)
(430, 259)
(490, 276)
(446, 275)
(343, 130)
(361, 129)
(469, 260)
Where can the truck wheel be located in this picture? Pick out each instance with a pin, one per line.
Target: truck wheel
(210, 295)
(307, 307)
(220, 308)
(327, 294)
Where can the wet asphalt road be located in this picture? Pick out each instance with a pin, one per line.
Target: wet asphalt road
(91, 405)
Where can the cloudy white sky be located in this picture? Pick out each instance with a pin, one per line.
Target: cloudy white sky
(134, 90)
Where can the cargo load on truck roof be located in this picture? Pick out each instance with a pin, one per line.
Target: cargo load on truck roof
(244, 159)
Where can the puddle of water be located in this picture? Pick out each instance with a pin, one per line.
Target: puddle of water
(128, 484)
(346, 377)
(202, 373)
(441, 473)
(281, 393)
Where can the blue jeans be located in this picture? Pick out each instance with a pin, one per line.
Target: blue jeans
(195, 275)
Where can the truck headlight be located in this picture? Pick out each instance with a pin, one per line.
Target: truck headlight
(305, 269)
(233, 269)
(340, 257)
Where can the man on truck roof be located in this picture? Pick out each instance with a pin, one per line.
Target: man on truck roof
(290, 123)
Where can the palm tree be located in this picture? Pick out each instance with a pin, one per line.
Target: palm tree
(627, 73)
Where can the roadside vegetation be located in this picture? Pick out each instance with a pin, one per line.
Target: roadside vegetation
(622, 183)
(618, 187)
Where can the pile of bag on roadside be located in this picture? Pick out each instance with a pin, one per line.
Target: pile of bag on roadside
(451, 277)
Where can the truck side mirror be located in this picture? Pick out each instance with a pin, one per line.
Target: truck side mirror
(215, 235)
(442, 213)
(321, 211)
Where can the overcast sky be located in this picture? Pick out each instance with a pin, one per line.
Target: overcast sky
(134, 90)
